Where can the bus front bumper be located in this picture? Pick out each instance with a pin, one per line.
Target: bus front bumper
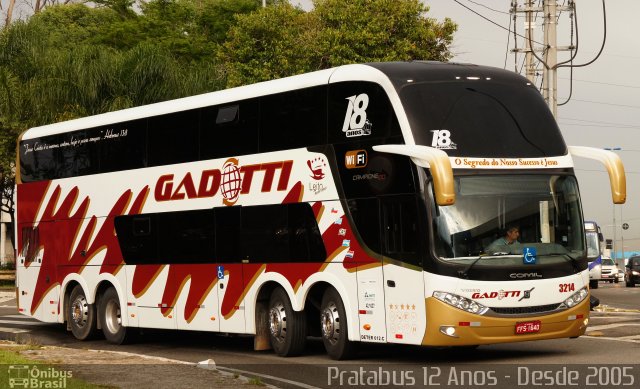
(449, 326)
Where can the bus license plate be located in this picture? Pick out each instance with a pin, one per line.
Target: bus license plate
(528, 327)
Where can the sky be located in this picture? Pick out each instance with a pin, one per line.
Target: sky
(604, 110)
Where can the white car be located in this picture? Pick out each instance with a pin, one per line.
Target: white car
(609, 270)
(620, 275)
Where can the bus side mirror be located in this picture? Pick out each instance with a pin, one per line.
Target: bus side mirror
(437, 161)
(612, 163)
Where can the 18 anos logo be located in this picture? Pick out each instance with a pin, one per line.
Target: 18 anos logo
(355, 121)
(441, 139)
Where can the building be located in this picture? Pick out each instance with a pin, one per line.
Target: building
(7, 253)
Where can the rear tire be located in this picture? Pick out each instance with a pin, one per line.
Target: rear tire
(287, 328)
(333, 322)
(81, 315)
(110, 316)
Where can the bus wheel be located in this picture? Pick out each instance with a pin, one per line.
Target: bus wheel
(593, 284)
(287, 328)
(110, 316)
(81, 315)
(333, 321)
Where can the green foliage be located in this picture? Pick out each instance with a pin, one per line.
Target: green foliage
(274, 42)
(381, 30)
(282, 40)
(121, 7)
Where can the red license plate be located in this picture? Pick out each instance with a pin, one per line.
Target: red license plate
(528, 327)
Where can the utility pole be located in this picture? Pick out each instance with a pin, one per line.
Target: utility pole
(550, 56)
(529, 25)
(549, 48)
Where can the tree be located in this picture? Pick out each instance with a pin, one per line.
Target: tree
(281, 40)
(273, 42)
(51, 70)
(381, 30)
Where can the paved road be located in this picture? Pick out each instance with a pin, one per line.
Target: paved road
(612, 337)
(618, 295)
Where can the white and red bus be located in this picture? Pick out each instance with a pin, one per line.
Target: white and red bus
(360, 204)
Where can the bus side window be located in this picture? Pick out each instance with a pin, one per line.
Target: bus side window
(281, 233)
(306, 239)
(173, 138)
(227, 233)
(293, 119)
(400, 228)
(360, 110)
(366, 217)
(187, 236)
(30, 243)
(230, 130)
(265, 234)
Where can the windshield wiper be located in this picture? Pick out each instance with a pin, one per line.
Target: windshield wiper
(574, 262)
(465, 273)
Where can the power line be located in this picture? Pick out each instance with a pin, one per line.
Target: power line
(486, 18)
(603, 83)
(602, 171)
(597, 125)
(599, 122)
(611, 104)
(484, 6)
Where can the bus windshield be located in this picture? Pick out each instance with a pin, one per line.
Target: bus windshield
(543, 209)
(511, 119)
(593, 245)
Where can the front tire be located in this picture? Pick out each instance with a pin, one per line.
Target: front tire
(110, 316)
(81, 315)
(287, 328)
(593, 284)
(333, 321)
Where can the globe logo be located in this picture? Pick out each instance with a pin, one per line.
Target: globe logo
(231, 182)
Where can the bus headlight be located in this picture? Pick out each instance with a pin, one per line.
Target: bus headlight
(576, 298)
(461, 302)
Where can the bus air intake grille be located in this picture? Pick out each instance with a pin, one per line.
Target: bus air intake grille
(525, 310)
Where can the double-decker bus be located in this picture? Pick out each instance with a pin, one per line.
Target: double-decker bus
(358, 204)
(594, 252)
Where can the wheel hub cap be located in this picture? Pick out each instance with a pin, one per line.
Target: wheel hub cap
(278, 321)
(112, 317)
(330, 322)
(79, 311)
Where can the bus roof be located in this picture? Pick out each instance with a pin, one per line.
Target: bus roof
(390, 75)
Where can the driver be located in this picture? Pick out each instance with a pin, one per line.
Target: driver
(510, 237)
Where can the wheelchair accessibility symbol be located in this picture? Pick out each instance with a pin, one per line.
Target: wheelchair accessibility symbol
(221, 272)
(529, 255)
